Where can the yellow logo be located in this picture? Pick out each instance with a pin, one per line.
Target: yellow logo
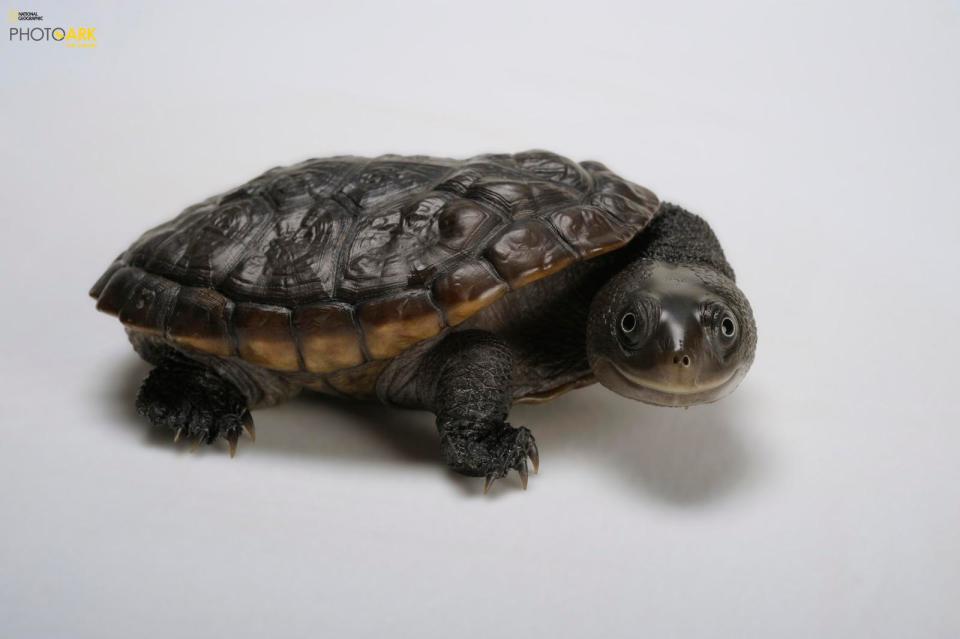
(82, 37)
(32, 28)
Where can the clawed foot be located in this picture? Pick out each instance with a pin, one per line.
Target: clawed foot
(195, 404)
(489, 450)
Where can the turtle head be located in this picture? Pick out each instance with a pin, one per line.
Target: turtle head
(672, 335)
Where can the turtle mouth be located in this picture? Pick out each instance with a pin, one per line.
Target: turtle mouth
(664, 393)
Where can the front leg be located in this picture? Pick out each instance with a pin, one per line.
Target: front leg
(469, 385)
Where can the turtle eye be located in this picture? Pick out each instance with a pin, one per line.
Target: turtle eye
(722, 322)
(636, 323)
(728, 326)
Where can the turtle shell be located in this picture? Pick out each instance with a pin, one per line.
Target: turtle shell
(331, 263)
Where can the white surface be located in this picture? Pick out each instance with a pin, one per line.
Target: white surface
(821, 500)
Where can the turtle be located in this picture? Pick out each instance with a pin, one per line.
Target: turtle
(454, 286)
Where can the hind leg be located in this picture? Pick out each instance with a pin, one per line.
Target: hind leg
(194, 401)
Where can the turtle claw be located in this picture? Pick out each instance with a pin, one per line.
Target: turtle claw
(489, 450)
(248, 428)
(232, 439)
(534, 454)
(195, 404)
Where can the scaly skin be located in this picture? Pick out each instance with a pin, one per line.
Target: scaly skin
(467, 380)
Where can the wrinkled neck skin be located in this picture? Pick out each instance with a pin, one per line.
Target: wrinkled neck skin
(671, 327)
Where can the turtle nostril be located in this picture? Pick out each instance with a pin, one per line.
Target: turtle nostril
(683, 360)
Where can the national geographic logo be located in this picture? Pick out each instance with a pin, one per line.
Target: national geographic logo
(23, 16)
(72, 37)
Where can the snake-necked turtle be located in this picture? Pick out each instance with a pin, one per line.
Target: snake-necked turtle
(459, 287)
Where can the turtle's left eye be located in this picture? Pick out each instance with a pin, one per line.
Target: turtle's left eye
(628, 323)
(721, 320)
(728, 326)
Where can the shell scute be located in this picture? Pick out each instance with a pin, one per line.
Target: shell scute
(390, 325)
(149, 304)
(265, 336)
(467, 289)
(589, 230)
(295, 257)
(117, 290)
(463, 222)
(528, 251)
(328, 337)
(291, 191)
(506, 196)
(390, 179)
(629, 202)
(319, 178)
(199, 320)
(210, 241)
(379, 253)
(554, 168)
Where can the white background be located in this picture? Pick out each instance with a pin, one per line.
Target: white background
(822, 499)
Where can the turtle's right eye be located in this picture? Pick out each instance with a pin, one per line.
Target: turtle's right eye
(637, 321)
